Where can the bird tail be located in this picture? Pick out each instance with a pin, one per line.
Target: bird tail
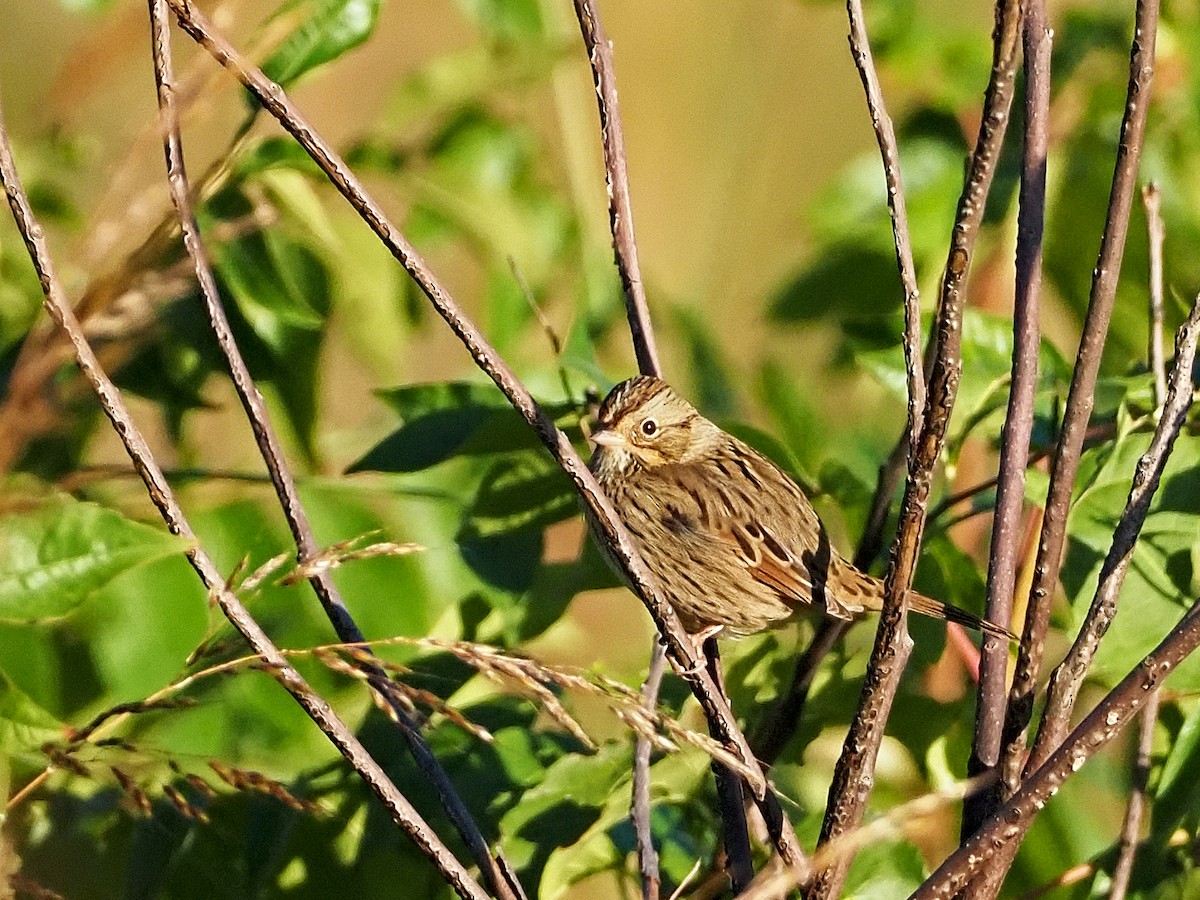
(936, 609)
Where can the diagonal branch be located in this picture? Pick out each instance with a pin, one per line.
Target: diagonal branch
(398, 807)
(1009, 824)
(281, 477)
(1068, 677)
(716, 708)
(854, 774)
(620, 210)
(781, 723)
(1081, 396)
(885, 136)
(1139, 798)
(1018, 422)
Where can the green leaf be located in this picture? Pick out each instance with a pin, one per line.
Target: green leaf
(847, 282)
(448, 419)
(1160, 580)
(24, 725)
(55, 552)
(1177, 797)
(710, 372)
(987, 343)
(505, 19)
(520, 493)
(560, 810)
(331, 29)
(883, 870)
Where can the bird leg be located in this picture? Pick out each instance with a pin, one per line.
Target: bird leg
(698, 640)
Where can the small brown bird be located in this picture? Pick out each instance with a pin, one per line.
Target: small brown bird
(733, 541)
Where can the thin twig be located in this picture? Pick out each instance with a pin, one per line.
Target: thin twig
(1018, 423)
(1069, 675)
(739, 862)
(399, 809)
(885, 136)
(1009, 824)
(620, 211)
(275, 101)
(1081, 396)
(775, 732)
(1156, 232)
(1131, 827)
(850, 788)
(640, 804)
(269, 446)
(637, 311)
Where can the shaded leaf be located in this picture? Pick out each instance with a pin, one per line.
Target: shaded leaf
(55, 552)
(331, 29)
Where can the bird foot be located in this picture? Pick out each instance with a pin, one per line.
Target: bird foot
(698, 640)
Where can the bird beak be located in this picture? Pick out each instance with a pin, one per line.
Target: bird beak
(606, 438)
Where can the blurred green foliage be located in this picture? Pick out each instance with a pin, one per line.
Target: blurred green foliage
(98, 606)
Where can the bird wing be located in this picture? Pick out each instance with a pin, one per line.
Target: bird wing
(787, 547)
(799, 578)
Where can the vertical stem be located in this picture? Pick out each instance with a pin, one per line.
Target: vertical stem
(640, 804)
(620, 210)
(1151, 200)
(738, 859)
(1081, 396)
(1131, 828)
(1018, 423)
(854, 774)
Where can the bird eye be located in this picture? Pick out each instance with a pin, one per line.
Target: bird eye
(649, 428)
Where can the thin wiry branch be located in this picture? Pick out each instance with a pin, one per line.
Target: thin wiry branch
(778, 728)
(1068, 677)
(1131, 826)
(885, 136)
(640, 804)
(307, 549)
(620, 210)
(716, 709)
(854, 773)
(398, 807)
(1018, 423)
(637, 310)
(739, 862)
(1081, 396)
(1009, 824)
(1156, 232)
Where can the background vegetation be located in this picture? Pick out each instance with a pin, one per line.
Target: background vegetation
(764, 236)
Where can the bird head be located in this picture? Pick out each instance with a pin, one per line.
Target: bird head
(643, 422)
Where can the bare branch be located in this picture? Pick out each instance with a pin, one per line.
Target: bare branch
(1018, 422)
(1068, 677)
(885, 136)
(620, 210)
(854, 773)
(1131, 827)
(307, 549)
(1152, 201)
(1081, 396)
(640, 805)
(398, 807)
(739, 863)
(714, 705)
(1011, 822)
